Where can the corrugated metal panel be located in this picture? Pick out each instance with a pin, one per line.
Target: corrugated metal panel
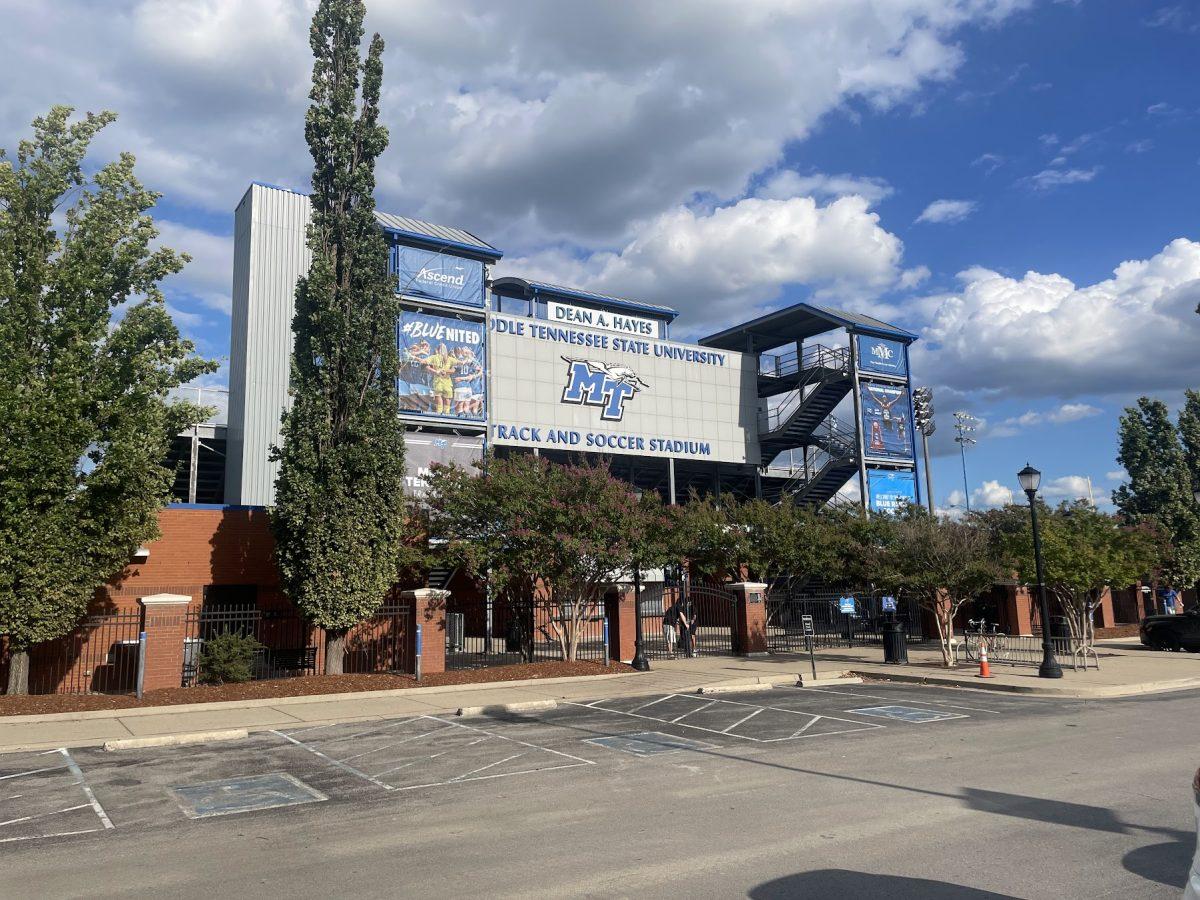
(261, 342)
(436, 233)
(546, 287)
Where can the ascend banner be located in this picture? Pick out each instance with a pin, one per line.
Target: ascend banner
(886, 420)
(882, 356)
(441, 366)
(424, 273)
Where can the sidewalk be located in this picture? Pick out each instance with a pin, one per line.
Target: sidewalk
(1125, 670)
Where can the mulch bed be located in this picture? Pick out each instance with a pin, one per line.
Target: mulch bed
(1117, 631)
(307, 686)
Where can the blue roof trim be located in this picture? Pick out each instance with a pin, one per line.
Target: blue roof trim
(542, 289)
(279, 187)
(481, 251)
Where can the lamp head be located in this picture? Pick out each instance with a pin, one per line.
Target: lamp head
(1030, 479)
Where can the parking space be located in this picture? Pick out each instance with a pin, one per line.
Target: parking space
(299, 770)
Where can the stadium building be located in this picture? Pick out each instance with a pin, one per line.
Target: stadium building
(802, 401)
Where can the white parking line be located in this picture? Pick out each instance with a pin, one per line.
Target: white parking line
(488, 766)
(899, 697)
(651, 703)
(740, 721)
(334, 762)
(698, 709)
(414, 737)
(32, 771)
(87, 791)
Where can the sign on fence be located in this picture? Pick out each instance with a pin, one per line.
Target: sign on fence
(846, 605)
(889, 604)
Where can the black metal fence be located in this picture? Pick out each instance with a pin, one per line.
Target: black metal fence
(99, 657)
(381, 643)
(833, 627)
(688, 619)
(290, 647)
(500, 631)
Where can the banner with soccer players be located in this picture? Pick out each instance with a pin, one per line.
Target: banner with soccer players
(886, 420)
(441, 366)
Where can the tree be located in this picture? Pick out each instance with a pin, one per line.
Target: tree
(1159, 489)
(547, 539)
(339, 517)
(1189, 434)
(1083, 552)
(85, 412)
(940, 564)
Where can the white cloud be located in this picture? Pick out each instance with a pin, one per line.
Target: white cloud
(208, 277)
(786, 184)
(989, 161)
(723, 264)
(1047, 179)
(1143, 146)
(1067, 412)
(531, 123)
(991, 494)
(1042, 335)
(1116, 475)
(947, 211)
(1067, 487)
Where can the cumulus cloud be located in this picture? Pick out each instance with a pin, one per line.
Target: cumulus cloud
(990, 162)
(723, 264)
(1067, 412)
(947, 211)
(991, 494)
(208, 277)
(1043, 335)
(531, 122)
(1067, 487)
(786, 184)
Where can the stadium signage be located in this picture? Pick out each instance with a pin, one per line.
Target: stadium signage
(600, 318)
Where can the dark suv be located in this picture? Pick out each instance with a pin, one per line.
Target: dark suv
(1181, 632)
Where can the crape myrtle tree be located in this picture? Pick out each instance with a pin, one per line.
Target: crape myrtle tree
(339, 518)
(941, 564)
(1159, 488)
(85, 412)
(547, 539)
(1084, 551)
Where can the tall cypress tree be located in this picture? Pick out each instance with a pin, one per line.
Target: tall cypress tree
(338, 519)
(1189, 433)
(1159, 487)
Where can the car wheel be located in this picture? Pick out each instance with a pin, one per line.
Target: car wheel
(1172, 643)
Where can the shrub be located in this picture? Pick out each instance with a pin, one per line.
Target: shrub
(227, 658)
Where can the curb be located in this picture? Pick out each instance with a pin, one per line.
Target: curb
(1078, 692)
(809, 681)
(305, 698)
(177, 740)
(500, 708)
(738, 687)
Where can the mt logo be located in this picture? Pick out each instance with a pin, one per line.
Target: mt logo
(591, 383)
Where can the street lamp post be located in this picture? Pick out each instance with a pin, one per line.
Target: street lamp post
(1030, 479)
(639, 662)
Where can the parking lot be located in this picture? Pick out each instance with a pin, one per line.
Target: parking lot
(86, 792)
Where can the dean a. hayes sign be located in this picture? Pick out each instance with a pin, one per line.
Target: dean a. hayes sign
(582, 389)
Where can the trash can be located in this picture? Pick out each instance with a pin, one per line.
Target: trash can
(1059, 629)
(895, 643)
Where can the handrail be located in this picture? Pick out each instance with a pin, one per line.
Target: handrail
(815, 356)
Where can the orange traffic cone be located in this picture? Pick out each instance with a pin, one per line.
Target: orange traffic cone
(984, 670)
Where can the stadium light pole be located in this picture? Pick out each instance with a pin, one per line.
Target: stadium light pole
(964, 424)
(1030, 479)
(639, 661)
(923, 411)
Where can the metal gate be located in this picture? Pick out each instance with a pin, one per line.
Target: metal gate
(831, 626)
(679, 620)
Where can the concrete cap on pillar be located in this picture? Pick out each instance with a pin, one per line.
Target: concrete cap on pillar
(165, 600)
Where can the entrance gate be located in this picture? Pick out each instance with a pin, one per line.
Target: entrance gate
(709, 610)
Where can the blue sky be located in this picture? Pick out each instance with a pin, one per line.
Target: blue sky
(975, 170)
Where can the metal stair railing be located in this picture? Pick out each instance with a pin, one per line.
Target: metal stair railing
(836, 447)
(815, 356)
(830, 364)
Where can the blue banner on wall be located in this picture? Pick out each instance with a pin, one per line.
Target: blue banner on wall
(882, 356)
(886, 420)
(425, 273)
(441, 366)
(888, 490)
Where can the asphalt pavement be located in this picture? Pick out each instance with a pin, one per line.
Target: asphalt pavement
(868, 790)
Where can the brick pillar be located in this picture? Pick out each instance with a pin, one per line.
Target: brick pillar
(1104, 617)
(429, 611)
(1018, 609)
(621, 610)
(166, 627)
(750, 617)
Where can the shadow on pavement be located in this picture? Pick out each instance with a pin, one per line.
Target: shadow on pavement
(844, 883)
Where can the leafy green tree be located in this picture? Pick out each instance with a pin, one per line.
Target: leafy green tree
(339, 518)
(710, 537)
(1083, 552)
(1159, 489)
(85, 416)
(546, 538)
(941, 564)
(1189, 433)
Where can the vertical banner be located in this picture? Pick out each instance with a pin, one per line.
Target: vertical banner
(886, 420)
(441, 366)
(426, 273)
(888, 490)
(881, 356)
